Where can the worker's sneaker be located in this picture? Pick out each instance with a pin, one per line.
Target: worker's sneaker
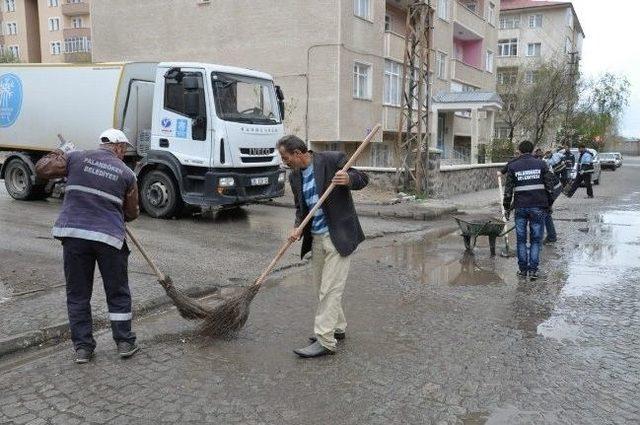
(522, 274)
(314, 350)
(83, 355)
(339, 335)
(127, 349)
(535, 275)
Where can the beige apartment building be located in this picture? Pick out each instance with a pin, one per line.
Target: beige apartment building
(532, 32)
(339, 62)
(49, 31)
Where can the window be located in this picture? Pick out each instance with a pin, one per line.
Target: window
(441, 65)
(12, 28)
(508, 47)
(443, 9)
(54, 24)
(56, 48)
(472, 5)
(175, 99)
(10, 6)
(379, 155)
(509, 22)
(488, 63)
(535, 21)
(491, 14)
(387, 23)
(568, 45)
(14, 51)
(75, 1)
(507, 75)
(77, 45)
(569, 17)
(362, 9)
(530, 77)
(53, 3)
(533, 49)
(392, 82)
(501, 132)
(361, 81)
(76, 22)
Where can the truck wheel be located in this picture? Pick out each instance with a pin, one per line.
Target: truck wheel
(160, 195)
(17, 180)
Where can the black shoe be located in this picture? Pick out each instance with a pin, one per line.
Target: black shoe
(590, 196)
(522, 274)
(314, 350)
(548, 241)
(337, 335)
(83, 355)
(127, 349)
(535, 275)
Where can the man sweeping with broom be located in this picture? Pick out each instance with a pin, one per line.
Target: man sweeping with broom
(332, 235)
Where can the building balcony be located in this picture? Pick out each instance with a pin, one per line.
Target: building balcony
(394, 46)
(76, 32)
(77, 57)
(468, 19)
(467, 74)
(73, 9)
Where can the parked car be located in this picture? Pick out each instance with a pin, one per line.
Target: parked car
(619, 157)
(608, 160)
(595, 176)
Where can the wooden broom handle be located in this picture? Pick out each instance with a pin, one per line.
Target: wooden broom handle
(318, 204)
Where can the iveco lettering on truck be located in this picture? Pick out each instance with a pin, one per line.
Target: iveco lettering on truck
(204, 135)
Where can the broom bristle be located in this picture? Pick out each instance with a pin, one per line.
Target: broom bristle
(231, 314)
(187, 307)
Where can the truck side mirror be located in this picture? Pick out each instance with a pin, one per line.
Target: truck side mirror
(280, 97)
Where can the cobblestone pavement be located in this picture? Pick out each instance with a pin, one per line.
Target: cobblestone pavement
(434, 337)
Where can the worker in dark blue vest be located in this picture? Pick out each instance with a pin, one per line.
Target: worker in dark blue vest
(528, 190)
(100, 195)
(585, 170)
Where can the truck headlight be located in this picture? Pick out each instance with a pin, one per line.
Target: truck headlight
(226, 182)
(281, 177)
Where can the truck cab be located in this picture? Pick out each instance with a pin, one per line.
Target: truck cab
(212, 138)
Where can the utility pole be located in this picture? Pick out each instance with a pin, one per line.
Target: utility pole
(412, 143)
(574, 60)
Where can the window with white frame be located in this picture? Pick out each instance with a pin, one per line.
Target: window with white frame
(56, 47)
(501, 132)
(534, 49)
(380, 155)
(362, 9)
(77, 45)
(507, 75)
(441, 65)
(491, 14)
(54, 24)
(535, 21)
(53, 3)
(76, 22)
(361, 81)
(10, 6)
(568, 45)
(12, 28)
(569, 17)
(530, 77)
(488, 63)
(443, 9)
(392, 83)
(509, 22)
(14, 51)
(508, 47)
(75, 1)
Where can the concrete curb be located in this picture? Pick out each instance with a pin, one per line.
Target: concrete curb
(56, 333)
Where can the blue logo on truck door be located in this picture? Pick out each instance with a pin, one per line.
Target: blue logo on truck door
(10, 99)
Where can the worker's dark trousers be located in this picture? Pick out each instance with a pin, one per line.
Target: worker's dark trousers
(586, 178)
(80, 257)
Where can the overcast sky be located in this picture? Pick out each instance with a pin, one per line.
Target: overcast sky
(612, 43)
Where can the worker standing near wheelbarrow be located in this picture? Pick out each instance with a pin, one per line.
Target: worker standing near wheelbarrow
(528, 190)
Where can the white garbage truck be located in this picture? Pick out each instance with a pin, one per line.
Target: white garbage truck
(204, 135)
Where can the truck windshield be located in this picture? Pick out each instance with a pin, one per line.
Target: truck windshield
(245, 99)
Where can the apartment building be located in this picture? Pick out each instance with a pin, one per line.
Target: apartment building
(533, 31)
(339, 62)
(49, 31)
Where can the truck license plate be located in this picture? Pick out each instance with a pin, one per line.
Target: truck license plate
(259, 181)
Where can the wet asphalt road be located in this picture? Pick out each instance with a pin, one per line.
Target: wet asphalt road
(434, 337)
